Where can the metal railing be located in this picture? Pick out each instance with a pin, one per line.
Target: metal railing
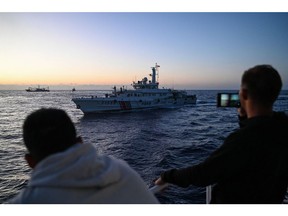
(157, 188)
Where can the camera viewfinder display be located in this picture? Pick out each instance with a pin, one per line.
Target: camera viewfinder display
(228, 100)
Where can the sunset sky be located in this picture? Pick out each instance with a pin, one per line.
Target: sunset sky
(194, 50)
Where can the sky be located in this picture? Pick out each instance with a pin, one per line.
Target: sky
(195, 50)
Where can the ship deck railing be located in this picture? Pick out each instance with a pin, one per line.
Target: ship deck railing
(157, 188)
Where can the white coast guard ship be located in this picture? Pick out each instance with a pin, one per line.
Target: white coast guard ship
(145, 95)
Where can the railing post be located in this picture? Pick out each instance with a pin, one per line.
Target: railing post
(208, 194)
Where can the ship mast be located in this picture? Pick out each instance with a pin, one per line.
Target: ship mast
(144, 84)
(154, 69)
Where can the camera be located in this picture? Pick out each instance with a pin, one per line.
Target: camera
(228, 100)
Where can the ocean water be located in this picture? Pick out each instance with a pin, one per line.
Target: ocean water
(150, 141)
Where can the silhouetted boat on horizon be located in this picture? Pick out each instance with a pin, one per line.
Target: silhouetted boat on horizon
(38, 89)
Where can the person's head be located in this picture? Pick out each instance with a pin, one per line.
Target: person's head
(48, 131)
(262, 85)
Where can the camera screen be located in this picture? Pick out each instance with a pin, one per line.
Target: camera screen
(228, 100)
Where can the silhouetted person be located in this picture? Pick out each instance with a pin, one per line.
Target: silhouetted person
(252, 164)
(67, 171)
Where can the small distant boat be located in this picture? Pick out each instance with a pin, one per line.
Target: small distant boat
(73, 89)
(145, 95)
(38, 89)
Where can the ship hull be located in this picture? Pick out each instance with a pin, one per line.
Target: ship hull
(96, 105)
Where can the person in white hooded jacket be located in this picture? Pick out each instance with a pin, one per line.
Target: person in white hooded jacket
(66, 171)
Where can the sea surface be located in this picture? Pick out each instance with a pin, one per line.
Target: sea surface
(150, 141)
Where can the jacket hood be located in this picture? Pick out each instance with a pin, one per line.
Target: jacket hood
(79, 166)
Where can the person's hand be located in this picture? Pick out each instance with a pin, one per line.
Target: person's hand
(160, 185)
(241, 112)
(159, 181)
